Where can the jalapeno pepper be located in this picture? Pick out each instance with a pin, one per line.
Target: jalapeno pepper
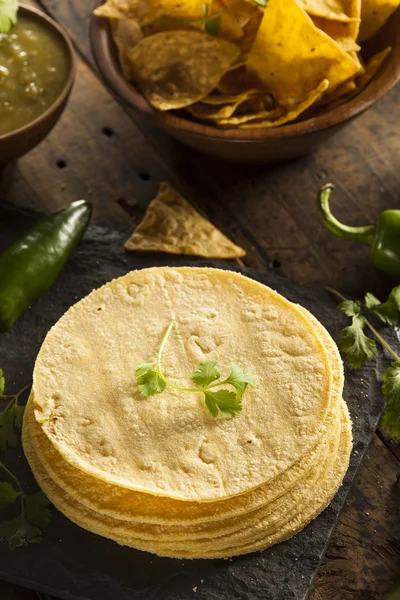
(383, 237)
(31, 264)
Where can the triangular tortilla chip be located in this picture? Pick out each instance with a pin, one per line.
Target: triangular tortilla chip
(172, 225)
(328, 9)
(374, 14)
(174, 69)
(288, 115)
(291, 55)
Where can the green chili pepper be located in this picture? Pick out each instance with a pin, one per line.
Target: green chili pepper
(32, 264)
(393, 594)
(383, 237)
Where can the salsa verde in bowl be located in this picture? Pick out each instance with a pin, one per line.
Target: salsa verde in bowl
(37, 71)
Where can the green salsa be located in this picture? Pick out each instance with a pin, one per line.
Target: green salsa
(34, 66)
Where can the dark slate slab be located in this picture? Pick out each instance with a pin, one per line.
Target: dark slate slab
(76, 565)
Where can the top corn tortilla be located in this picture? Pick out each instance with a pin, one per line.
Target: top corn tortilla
(145, 508)
(89, 406)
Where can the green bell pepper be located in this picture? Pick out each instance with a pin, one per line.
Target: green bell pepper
(32, 263)
(383, 237)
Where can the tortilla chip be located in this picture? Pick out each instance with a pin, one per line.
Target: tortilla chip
(289, 115)
(172, 225)
(374, 14)
(290, 55)
(177, 68)
(219, 106)
(342, 91)
(328, 9)
(360, 83)
(235, 81)
(371, 68)
(118, 9)
(250, 32)
(126, 34)
(344, 34)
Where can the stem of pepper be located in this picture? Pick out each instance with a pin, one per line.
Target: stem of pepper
(365, 235)
(376, 333)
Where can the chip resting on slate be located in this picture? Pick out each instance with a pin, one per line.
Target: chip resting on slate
(172, 225)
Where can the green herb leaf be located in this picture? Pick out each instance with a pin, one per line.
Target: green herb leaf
(206, 373)
(19, 532)
(228, 403)
(2, 382)
(350, 308)
(8, 14)
(391, 390)
(261, 2)
(143, 368)
(387, 311)
(151, 383)
(359, 348)
(7, 494)
(9, 437)
(19, 415)
(36, 510)
(240, 379)
(211, 26)
(371, 301)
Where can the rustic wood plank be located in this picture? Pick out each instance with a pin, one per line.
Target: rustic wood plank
(363, 559)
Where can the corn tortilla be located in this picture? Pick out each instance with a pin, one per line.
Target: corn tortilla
(290, 55)
(106, 526)
(218, 314)
(128, 505)
(235, 524)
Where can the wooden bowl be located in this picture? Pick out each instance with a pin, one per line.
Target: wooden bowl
(20, 141)
(265, 146)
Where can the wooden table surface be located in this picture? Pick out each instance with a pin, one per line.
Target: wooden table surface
(102, 152)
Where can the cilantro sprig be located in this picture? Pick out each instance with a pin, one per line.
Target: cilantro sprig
(151, 381)
(359, 348)
(8, 14)
(33, 515)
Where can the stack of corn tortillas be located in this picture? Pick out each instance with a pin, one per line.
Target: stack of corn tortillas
(159, 473)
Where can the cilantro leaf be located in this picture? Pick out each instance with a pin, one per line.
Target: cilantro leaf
(18, 415)
(8, 14)
(2, 382)
(151, 383)
(391, 391)
(19, 532)
(143, 368)
(206, 373)
(7, 494)
(36, 511)
(350, 308)
(8, 435)
(211, 26)
(240, 379)
(371, 301)
(388, 311)
(225, 401)
(359, 348)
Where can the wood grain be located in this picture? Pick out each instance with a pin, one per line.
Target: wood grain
(102, 152)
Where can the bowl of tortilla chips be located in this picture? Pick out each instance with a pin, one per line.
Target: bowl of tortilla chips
(256, 81)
